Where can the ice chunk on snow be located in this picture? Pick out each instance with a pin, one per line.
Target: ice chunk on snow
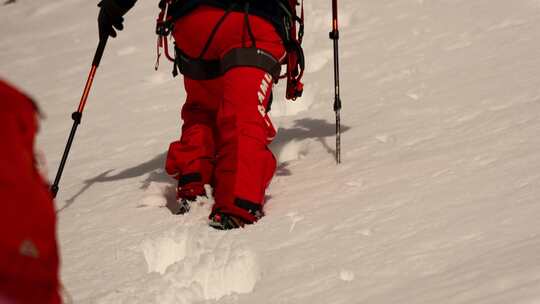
(163, 252)
(197, 264)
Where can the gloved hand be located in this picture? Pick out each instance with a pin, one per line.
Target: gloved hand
(110, 16)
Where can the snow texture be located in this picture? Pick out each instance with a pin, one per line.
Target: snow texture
(436, 201)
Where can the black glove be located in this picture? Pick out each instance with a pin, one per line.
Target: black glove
(110, 16)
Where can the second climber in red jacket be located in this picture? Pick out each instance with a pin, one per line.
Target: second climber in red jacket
(29, 259)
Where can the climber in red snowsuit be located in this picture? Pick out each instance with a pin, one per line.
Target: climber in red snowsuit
(226, 128)
(28, 249)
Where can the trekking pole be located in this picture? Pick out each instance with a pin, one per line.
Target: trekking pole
(77, 115)
(334, 35)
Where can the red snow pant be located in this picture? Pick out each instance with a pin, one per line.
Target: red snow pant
(28, 251)
(225, 129)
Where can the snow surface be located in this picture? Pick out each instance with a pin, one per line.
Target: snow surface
(436, 201)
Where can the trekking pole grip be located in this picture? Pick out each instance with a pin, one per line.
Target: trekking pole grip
(77, 115)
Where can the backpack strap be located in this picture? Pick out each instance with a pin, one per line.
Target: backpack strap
(251, 57)
(295, 54)
(200, 69)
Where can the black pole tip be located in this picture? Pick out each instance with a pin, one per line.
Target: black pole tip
(54, 190)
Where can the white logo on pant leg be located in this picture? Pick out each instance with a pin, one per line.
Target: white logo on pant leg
(263, 89)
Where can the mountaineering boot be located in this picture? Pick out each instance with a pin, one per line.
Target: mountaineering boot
(223, 221)
(187, 194)
(184, 205)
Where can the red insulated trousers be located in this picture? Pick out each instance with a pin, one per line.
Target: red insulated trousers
(226, 129)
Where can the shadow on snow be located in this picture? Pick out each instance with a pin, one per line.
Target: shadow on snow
(303, 129)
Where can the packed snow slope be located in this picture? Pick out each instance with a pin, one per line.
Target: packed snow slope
(437, 199)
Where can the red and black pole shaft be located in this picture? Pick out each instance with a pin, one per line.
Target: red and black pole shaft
(77, 115)
(334, 35)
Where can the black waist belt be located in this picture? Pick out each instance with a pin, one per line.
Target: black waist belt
(199, 69)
